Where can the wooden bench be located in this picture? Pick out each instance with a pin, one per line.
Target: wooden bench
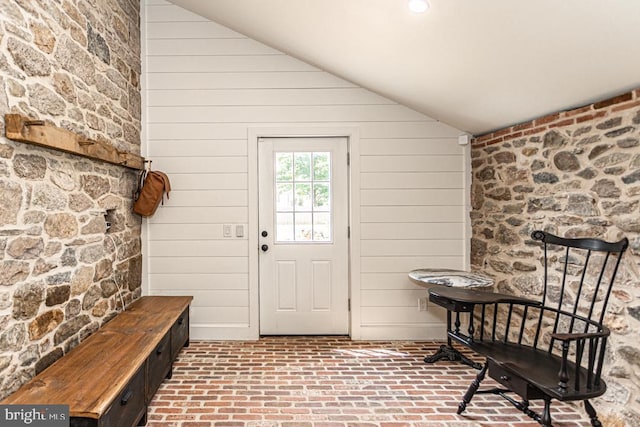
(110, 377)
(548, 348)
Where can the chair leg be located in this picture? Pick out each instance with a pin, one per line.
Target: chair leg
(595, 422)
(473, 388)
(545, 420)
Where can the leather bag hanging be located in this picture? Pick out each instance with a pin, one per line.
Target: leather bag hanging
(152, 187)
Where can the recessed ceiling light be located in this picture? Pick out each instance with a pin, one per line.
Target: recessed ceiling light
(418, 6)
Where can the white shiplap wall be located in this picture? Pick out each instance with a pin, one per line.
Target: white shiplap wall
(207, 87)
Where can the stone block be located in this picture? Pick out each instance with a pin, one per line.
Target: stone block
(27, 300)
(545, 178)
(25, 247)
(554, 139)
(97, 45)
(82, 280)
(95, 186)
(29, 59)
(45, 100)
(79, 202)
(61, 225)
(70, 328)
(57, 295)
(30, 166)
(91, 297)
(45, 323)
(10, 202)
(74, 59)
(12, 272)
(566, 161)
(13, 338)
(48, 197)
(582, 204)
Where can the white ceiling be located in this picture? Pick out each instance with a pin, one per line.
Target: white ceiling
(477, 65)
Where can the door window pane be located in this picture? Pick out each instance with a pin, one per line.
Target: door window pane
(304, 228)
(284, 197)
(284, 167)
(321, 227)
(284, 227)
(321, 167)
(321, 197)
(303, 196)
(302, 162)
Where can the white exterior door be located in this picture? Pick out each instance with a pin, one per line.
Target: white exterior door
(303, 226)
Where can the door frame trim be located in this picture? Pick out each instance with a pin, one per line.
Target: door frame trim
(353, 148)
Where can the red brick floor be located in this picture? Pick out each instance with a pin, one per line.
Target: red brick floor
(328, 382)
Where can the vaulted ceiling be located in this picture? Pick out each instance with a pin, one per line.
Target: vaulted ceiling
(477, 65)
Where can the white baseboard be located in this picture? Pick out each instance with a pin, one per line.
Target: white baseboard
(198, 332)
(436, 332)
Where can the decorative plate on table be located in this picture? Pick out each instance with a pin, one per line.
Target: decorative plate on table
(451, 278)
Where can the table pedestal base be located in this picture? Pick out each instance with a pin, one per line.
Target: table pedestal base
(450, 353)
(428, 277)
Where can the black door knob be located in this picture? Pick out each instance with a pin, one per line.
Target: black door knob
(264, 233)
(264, 248)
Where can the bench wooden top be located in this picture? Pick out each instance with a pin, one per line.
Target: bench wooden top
(90, 376)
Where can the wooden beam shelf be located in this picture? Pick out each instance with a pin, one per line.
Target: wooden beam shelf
(37, 132)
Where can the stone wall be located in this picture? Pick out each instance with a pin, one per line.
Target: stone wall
(75, 64)
(573, 173)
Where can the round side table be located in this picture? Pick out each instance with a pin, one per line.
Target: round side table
(429, 277)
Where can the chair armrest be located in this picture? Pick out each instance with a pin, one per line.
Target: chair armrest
(580, 336)
(580, 339)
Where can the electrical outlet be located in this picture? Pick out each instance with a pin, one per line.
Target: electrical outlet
(239, 230)
(226, 230)
(109, 218)
(422, 304)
